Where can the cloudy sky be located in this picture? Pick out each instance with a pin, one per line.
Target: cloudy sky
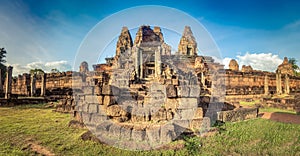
(47, 34)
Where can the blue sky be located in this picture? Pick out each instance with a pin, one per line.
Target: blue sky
(48, 33)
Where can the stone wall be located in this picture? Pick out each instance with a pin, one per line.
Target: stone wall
(238, 114)
(54, 82)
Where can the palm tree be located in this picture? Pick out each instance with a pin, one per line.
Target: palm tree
(295, 67)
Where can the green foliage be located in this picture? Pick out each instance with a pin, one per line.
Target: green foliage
(192, 144)
(36, 71)
(295, 67)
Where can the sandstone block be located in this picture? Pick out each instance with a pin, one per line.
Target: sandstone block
(167, 133)
(194, 91)
(187, 103)
(171, 91)
(196, 124)
(183, 91)
(91, 99)
(138, 135)
(93, 108)
(97, 118)
(88, 90)
(115, 111)
(109, 100)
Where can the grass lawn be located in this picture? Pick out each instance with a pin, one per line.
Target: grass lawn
(33, 123)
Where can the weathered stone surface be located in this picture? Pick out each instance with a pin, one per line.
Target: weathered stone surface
(97, 118)
(171, 104)
(238, 115)
(194, 91)
(124, 42)
(167, 133)
(171, 91)
(84, 67)
(109, 100)
(198, 113)
(100, 99)
(93, 108)
(115, 111)
(233, 65)
(285, 67)
(88, 90)
(247, 68)
(91, 99)
(146, 35)
(115, 131)
(187, 103)
(196, 124)
(110, 90)
(153, 134)
(187, 44)
(183, 91)
(138, 135)
(185, 114)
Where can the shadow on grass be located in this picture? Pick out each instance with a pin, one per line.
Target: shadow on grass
(32, 106)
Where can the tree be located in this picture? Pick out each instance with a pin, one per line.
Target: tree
(54, 70)
(2, 61)
(36, 71)
(295, 67)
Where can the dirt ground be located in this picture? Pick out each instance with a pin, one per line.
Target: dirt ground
(281, 117)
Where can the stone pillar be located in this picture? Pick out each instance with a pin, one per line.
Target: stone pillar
(141, 63)
(137, 61)
(287, 84)
(8, 82)
(278, 83)
(158, 62)
(33, 84)
(202, 79)
(266, 85)
(43, 84)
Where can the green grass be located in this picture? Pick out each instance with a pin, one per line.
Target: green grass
(270, 109)
(252, 103)
(49, 129)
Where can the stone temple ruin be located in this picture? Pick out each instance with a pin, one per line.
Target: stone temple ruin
(146, 96)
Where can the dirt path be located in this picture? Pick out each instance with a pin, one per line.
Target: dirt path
(281, 117)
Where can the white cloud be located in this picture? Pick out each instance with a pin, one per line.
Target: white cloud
(46, 66)
(258, 61)
(226, 61)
